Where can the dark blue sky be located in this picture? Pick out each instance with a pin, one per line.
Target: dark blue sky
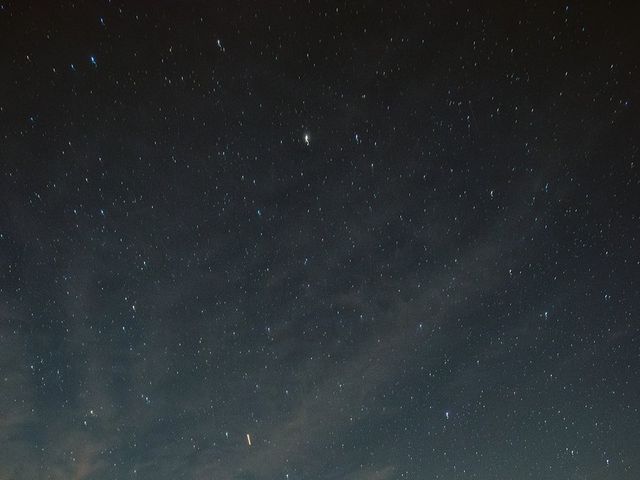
(384, 240)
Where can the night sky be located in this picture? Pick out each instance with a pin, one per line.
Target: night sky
(315, 240)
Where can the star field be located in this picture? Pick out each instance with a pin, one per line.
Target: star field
(319, 240)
